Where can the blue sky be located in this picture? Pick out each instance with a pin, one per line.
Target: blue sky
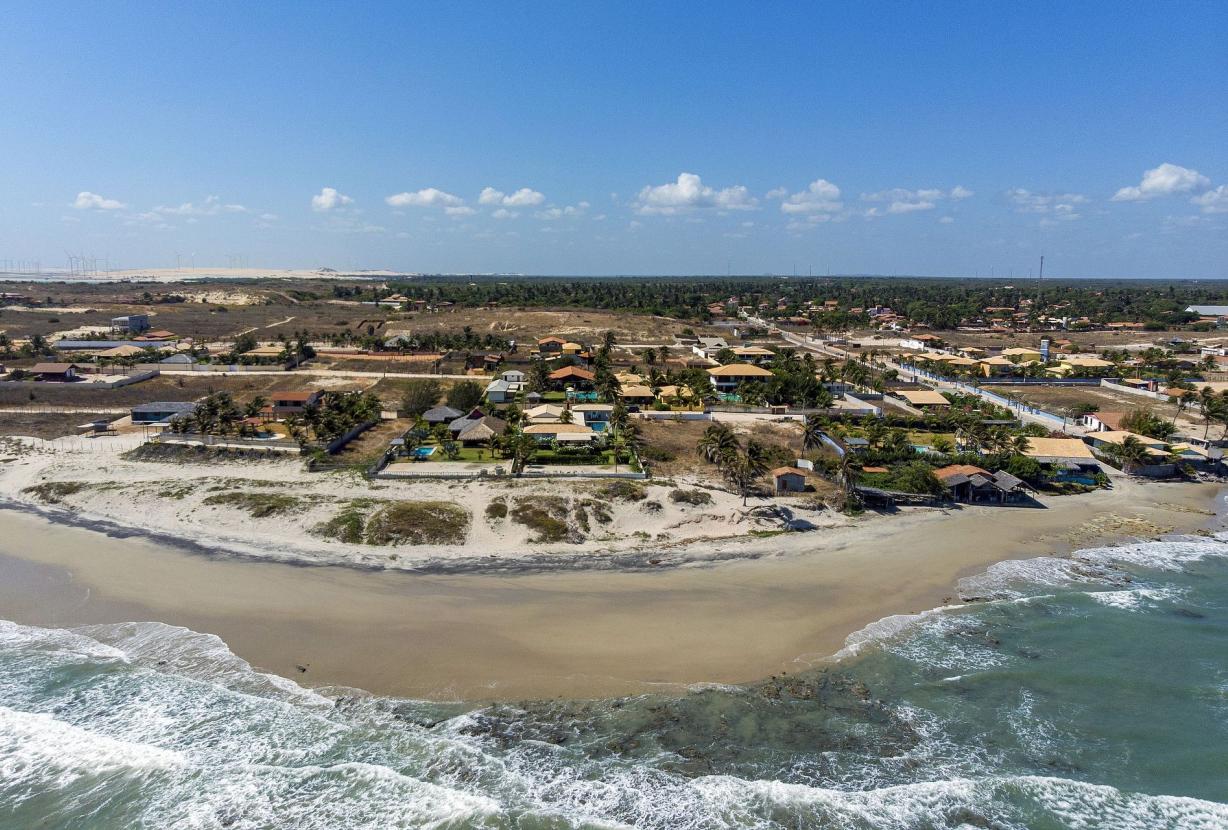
(620, 138)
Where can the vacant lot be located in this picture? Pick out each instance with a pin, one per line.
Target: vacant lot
(167, 388)
(42, 424)
(678, 440)
(1061, 400)
(528, 325)
(222, 310)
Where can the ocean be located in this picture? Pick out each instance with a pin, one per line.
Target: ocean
(1089, 692)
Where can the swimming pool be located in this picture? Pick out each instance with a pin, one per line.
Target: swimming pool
(422, 452)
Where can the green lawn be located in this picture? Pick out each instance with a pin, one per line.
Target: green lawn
(466, 454)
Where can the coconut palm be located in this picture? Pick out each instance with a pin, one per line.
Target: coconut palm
(812, 433)
(718, 441)
(1130, 453)
(742, 468)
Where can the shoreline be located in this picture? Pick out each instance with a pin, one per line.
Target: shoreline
(573, 633)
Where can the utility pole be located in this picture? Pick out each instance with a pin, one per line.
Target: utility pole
(1040, 278)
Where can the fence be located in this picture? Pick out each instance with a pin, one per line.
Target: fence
(673, 416)
(1131, 390)
(126, 380)
(216, 368)
(195, 439)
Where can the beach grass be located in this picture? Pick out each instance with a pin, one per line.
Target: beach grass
(417, 523)
(54, 492)
(544, 515)
(258, 505)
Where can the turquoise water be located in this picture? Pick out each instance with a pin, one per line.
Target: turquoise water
(1082, 693)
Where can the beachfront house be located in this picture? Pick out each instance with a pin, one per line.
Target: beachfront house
(546, 413)
(292, 402)
(561, 433)
(161, 412)
(788, 480)
(459, 425)
(481, 430)
(924, 399)
(56, 372)
(441, 415)
(1065, 459)
(595, 416)
(972, 485)
(728, 378)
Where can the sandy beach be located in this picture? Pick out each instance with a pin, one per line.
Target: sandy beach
(595, 632)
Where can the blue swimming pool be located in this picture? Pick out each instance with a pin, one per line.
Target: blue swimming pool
(422, 452)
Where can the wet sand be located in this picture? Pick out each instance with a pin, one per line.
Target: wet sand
(569, 634)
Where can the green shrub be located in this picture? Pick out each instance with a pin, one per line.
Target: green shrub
(53, 492)
(258, 505)
(545, 515)
(347, 526)
(497, 509)
(418, 523)
(622, 490)
(650, 453)
(694, 497)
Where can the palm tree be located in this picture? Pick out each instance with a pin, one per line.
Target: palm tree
(812, 432)
(1130, 453)
(255, 406)
(1212, 408)
(718, 441)
(846, 477)
(521, 448)
(943, 444)
(743, 469)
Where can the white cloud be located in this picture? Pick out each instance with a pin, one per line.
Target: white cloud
(899, 194)
(504, 213)
(92, 201)
(211, 207)
(1061, 205)
(426, 197)
(777, 193)
(901, 200)
(329, 198)
(459, 210)
(1213, 201)
(1165, 180)
(820, 196)
(553, 212)
(524, 197)
(690, 193)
